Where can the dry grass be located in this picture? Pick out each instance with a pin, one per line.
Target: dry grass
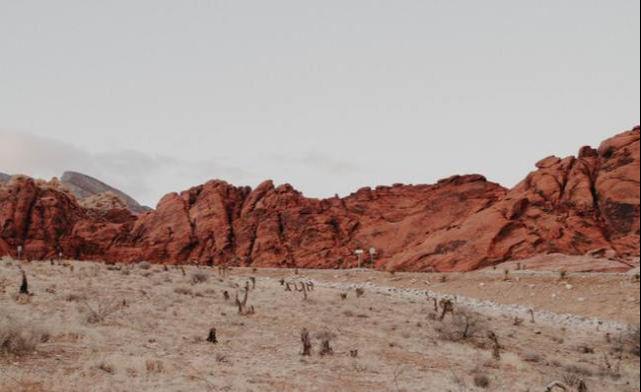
(157, 339)
(19, 336)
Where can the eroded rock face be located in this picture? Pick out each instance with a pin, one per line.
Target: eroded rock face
(576, 205)
(46, 219)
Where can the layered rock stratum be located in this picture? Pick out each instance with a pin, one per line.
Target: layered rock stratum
(588, 204)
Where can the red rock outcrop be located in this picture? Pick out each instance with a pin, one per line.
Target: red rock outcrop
(576, 205)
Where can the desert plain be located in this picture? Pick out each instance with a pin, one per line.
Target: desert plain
(144, 327)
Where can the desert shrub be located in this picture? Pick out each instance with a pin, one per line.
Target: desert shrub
(106, 367)
(145, 265)
(532, 357)
(183, 291)
(19, 337)
(98, 313)
(481, 381)
(199, 277)
(579, 370)
(463, 325)
(632, 340)
(154, 366)
(73, 297)
(326, 339)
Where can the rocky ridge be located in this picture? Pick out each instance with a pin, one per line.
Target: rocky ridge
(574, 205)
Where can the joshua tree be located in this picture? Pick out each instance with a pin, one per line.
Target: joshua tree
(447, 306)
(563, 275)
(326, 348)
(496, 347)
(253, 280)
(531, 312)
(212, 336)
(360, 292)
(24, 287)
(226, 295)
(242, 305)
(303, 289)
(576, 382)
(223, 271)
(307, 342)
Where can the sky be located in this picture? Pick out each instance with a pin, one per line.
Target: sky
(156, 96)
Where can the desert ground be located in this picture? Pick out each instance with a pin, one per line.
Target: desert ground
(96, 327)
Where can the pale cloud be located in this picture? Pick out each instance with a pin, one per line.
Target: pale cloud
(145, 177)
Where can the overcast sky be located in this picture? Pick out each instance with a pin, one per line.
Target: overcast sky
(155, 96)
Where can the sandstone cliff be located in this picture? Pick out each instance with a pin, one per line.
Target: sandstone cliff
(574, 205)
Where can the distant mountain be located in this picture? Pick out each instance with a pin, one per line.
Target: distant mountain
(4, 177)
(84, 186)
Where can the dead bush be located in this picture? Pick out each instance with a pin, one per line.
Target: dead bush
(326, 339)
(629, 341)
(183, 291)
(576, 382)
(19, 337)
(532, 358)
(145, 265)
(307, 343)
(464, 324)
(98, 313)
(75, 297)
(154, 366)
(199, 277)
(481, 381)
(106, 367)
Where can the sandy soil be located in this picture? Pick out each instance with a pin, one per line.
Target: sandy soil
(144, 328)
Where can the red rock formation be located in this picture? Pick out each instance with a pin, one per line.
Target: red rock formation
(587, 204)
(45, 220)
(575, 205)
